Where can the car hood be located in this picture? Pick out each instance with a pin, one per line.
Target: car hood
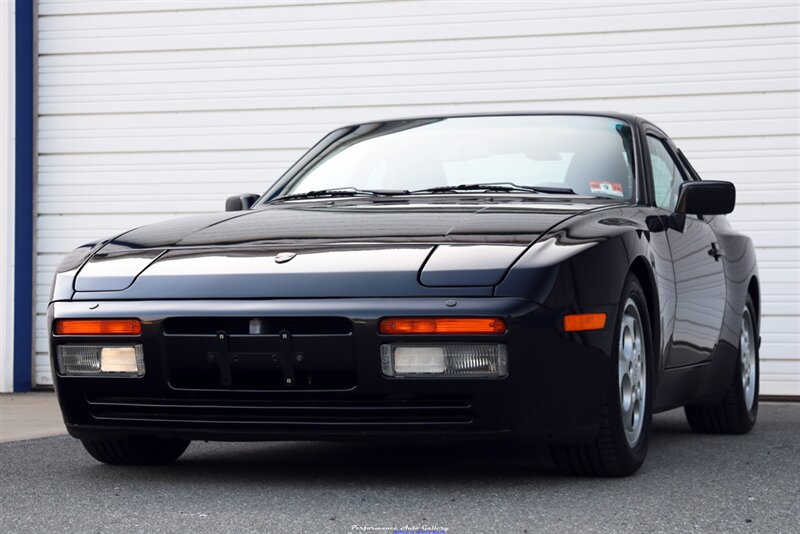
(352, 247)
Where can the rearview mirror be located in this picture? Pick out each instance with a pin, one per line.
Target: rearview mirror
(240, 202)
(706, 198)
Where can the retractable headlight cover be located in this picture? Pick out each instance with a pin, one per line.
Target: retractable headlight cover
(114, 268)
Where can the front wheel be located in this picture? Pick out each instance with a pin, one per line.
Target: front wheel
(736, 412)
(140, 450)
(621, 445)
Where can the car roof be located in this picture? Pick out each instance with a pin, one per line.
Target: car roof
(632, 119)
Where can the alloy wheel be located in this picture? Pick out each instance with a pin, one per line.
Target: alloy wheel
(747, 360)
(632, 373)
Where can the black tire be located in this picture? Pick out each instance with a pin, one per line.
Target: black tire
(731, 415)
(139, 450)
(610, 454)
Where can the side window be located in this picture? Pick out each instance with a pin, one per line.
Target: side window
(667, 177)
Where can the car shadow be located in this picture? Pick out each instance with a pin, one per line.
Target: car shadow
(325, 464)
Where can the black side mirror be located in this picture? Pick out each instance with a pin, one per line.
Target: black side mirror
(706, 198)
(240, 202)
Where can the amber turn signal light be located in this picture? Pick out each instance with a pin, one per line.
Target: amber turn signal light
(97, 327)
(584, 321)
(442, 325)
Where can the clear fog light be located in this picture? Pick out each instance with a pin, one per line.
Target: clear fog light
(97, 360)
(477, 360)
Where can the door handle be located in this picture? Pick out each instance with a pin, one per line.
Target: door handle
(715, 252)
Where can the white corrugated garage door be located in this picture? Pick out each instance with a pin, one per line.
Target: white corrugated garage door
(7, 200)
(148, 110)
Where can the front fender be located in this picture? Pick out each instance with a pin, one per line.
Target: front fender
(581, 267)
(582, 262)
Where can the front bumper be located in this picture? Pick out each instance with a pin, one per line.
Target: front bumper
(553, 392)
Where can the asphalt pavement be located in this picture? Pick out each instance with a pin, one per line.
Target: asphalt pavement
(689, 483)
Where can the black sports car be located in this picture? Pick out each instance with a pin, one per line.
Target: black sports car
(555, 278)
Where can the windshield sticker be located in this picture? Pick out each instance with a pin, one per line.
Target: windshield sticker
(607, 188)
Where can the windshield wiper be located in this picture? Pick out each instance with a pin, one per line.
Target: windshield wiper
(499, 187)
(344, 192)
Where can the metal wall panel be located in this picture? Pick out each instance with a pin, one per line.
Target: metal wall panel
(149, 110)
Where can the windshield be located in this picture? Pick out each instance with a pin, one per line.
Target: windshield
(589, 155)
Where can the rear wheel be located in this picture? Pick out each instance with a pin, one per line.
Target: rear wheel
(140, 450)
(621, 445)
(736, 412)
